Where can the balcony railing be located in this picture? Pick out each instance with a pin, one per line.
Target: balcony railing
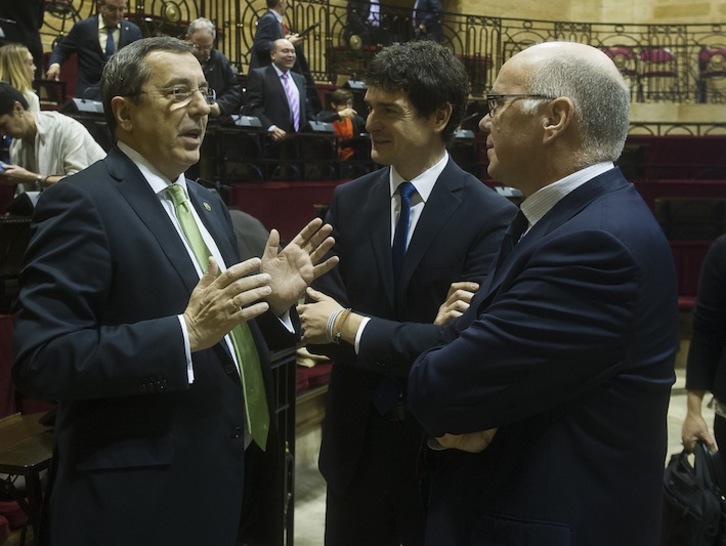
(680, 63)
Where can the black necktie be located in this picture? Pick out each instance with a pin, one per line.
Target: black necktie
(406, 190)
(512, 236)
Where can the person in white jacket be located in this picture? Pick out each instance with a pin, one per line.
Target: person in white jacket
(46, 147)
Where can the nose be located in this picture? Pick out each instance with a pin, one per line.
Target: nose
(485, 123)
(199, 103)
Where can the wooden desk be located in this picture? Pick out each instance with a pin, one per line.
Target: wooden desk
(26, 448)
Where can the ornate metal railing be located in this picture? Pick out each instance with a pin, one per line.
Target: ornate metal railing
(681, 63)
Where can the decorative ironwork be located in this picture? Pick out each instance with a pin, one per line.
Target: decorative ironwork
(661, 62)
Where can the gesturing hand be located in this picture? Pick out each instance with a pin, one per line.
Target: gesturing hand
(219, 303)
(457, 301)
(314, 317)
(293, 269)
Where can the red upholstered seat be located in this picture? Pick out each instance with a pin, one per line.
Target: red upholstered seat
(309, 378)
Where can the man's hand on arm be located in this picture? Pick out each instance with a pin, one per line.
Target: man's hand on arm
(457, 301)
(219, 303)
(296, 266)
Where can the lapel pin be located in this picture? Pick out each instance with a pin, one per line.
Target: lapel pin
(207, 206)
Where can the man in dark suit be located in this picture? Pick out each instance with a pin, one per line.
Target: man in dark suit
(426, 20)
(124, 324)
(370, 442)
(94, 40)
(363, 19)
(271, 27)
(23, 26)
(276, 95)
(549, 396)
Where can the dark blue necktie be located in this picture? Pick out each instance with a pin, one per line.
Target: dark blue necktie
(406, 190)
(110, 45)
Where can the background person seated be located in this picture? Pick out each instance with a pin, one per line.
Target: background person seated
(17, 67)
(46, 145)
(346, 122)
(221, 75)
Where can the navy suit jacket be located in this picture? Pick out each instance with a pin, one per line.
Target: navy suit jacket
(142, 456)
(568, 348)
(266, 99)
(83, 40)
(455, 239)
(429, 14)
(268, 30)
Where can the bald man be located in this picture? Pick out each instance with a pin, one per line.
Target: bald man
(546, 401)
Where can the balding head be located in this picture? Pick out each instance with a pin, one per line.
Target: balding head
(283, 54)
(592, 82)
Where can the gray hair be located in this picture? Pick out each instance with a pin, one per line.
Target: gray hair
(126, 72)
(202, 24)
(601, 99)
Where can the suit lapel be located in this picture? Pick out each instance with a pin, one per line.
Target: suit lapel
(140, 197)
(563, 211)
(377, 216)
(442, 203)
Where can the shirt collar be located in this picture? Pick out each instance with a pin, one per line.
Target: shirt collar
(541, 202)
(424, 183)
(156, 180)
(102, 24)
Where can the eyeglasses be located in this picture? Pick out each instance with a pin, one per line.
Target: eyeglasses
(494, 101)
(182, 95)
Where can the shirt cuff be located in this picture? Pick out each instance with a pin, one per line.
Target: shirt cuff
(187, 349)
(359, 334)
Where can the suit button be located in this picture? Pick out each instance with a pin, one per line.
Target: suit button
(229, 369)
(237, 433)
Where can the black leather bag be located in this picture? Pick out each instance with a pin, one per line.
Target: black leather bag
(693, 508)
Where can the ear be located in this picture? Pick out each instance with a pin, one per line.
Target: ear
(18, 109)
(441, 117)
(121, 108)
(560, 113)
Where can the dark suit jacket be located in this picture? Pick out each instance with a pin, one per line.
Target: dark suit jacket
(568, 348)
(83, 40)
(142, 456)
(429, 13)
(455, 239)
(266, 99)
(223, 79)
(268, 30)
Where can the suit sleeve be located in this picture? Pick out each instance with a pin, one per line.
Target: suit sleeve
(65, 346)
(66, 46)
(267, 32)
(255, 105)
(553, 332)
(707, 352)
(229, 98)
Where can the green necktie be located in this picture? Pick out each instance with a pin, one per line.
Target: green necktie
(258, 418)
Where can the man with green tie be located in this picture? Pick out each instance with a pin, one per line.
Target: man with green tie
(136, 317)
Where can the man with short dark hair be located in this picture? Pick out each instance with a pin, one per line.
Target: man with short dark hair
(404, 234)
(545, 403)
(136, 316)
(94, 40)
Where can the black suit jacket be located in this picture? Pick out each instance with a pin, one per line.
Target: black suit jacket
(455, 239)
(268, 30)
(266, 99)
(142, 456)
(83, 40)
(568, 348)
